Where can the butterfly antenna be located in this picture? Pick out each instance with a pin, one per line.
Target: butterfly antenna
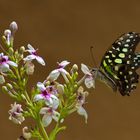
(92, 56)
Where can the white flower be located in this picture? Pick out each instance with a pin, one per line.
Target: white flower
(81, 95)
(5, 62)
(49, 114)
(33, 55)
(46, 94)
(60, 70)
(89, 80)
(16, 114)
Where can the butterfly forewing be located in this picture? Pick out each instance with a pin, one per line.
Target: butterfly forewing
(120, 62)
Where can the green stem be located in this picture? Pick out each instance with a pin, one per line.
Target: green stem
(43, 130)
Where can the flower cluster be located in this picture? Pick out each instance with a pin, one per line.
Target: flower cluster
(50, 100)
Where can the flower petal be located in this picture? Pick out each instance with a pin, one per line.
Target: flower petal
(46, 120)
(82, 111)
(90, 82)
(12, 63)
(40, 60)
(63, 71)
(41, 86)
(44, 110)
(54, 75)
(85, 69)
(30, 47)
(29, 57)
(4, 67)
(55, 102)
(64, 63)
(56, 116)
(38, 97)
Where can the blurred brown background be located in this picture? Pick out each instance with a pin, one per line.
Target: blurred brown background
(65, 29)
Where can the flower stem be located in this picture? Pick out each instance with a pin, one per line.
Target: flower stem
(44, 133)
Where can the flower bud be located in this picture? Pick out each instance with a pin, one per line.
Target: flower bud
(22, 50)
(13, 27)
(2, 80)
(9, 86)
(4, 89)
(11, 51)
(75, 67)
(60, 88)
(7, 32)
(29, 67)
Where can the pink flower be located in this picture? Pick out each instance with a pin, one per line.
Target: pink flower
(33, 55)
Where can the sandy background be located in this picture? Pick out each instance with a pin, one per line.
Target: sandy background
(64, 29)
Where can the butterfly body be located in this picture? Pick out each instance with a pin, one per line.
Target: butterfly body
(120, 62)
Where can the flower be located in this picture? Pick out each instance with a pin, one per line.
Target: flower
(16, 114)
(49, 114)
(5, 62)
(33, 55)
(81, 95)
(47, 94)
(89, 80)
(60, 70)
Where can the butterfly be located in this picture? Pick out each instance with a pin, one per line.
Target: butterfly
(119, 64)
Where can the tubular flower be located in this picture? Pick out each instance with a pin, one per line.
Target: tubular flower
(16, 114)
(89, 80)
(60, 70)
(5, 62)
(33, 55)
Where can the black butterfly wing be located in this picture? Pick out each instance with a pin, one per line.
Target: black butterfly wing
(120, 62)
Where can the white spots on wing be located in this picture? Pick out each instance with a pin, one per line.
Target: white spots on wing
(107, 56)
(130, 72)
(126, 45)
(127, 40)
(128, 62)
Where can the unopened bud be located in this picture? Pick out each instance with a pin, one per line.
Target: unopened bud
(11, 51)
(60, 88)
(4, 89)
(9, 86)
(22, 50)
(29, 67)
(13, 27)
(7, 32)
(2, 80)
(75, 67)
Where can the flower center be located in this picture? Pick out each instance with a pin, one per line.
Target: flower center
(34, 53)
(2, 60)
